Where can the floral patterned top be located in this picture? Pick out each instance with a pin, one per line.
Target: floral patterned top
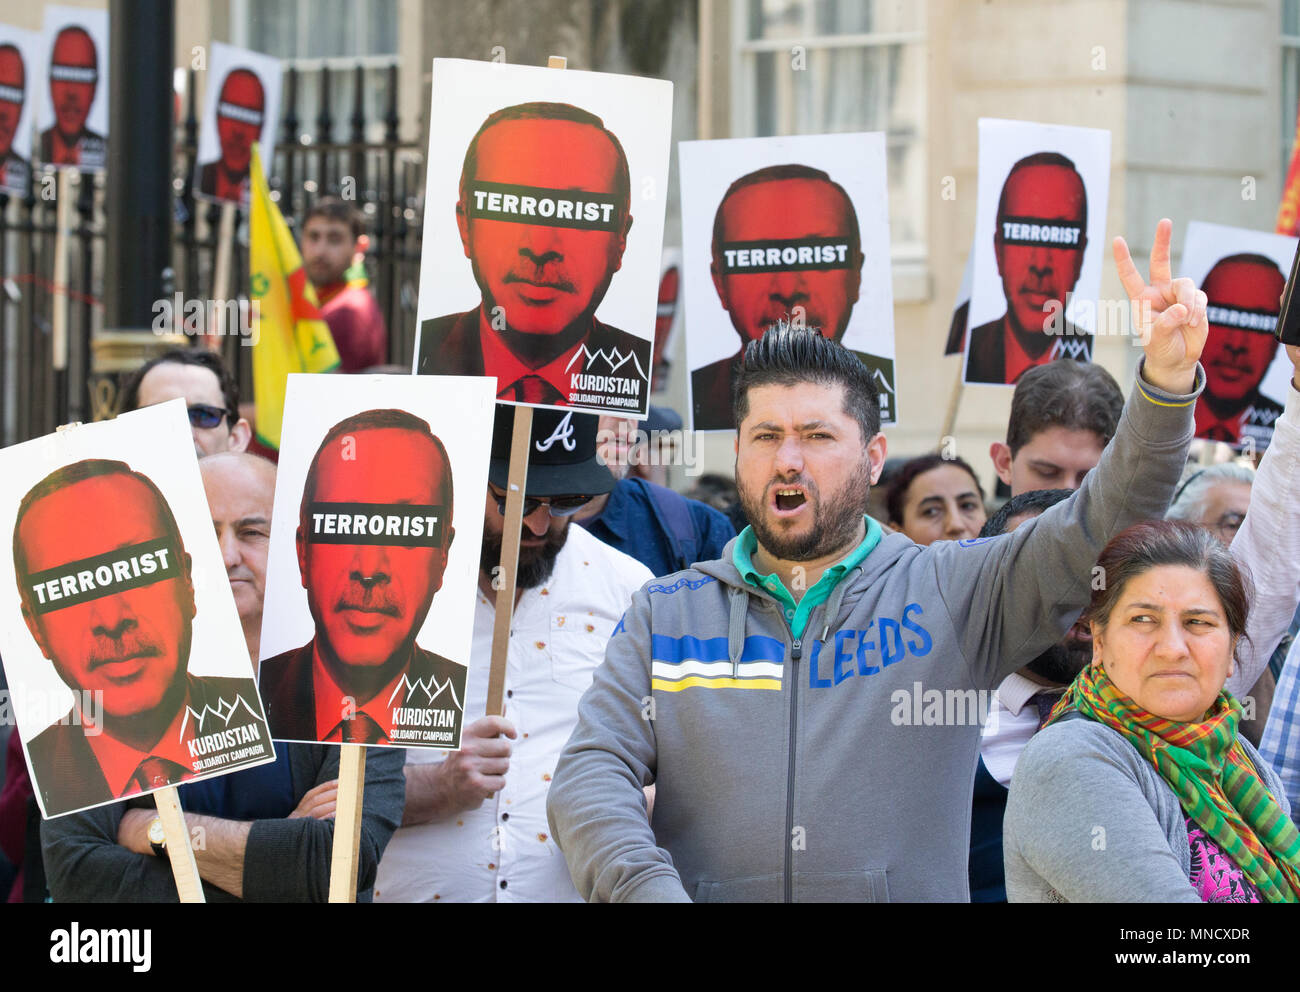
(1215, 876)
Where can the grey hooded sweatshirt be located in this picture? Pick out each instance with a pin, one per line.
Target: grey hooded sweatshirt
(838, 766)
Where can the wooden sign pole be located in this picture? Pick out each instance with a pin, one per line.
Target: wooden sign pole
(59, 335)
(954, 401)
(516, 483)
(221, 273)
(179, 852)
(347, 823)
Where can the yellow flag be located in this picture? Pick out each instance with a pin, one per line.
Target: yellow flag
(293, 336)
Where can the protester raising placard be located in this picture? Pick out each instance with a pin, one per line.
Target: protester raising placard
(371, 574)
(1040, 227)
(1242, 272)
(790, 230)
(544, 225)
(240, 108)
(73, 114)
(122, 647)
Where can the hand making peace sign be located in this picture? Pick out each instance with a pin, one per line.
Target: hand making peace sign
(1168, 315)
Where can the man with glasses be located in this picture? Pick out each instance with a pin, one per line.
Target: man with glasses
(374, 531)
(210, 392)
(475, 823)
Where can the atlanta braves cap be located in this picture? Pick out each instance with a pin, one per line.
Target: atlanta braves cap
(561, 453)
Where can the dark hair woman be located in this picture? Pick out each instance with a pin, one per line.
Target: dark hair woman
(1139, 788)
(933, 498)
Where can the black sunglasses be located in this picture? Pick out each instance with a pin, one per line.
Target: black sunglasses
(559, 506)
(202, 415)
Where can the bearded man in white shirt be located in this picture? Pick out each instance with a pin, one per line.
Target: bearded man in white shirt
(475, 825)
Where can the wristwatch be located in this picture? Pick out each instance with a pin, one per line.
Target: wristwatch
(157, 837)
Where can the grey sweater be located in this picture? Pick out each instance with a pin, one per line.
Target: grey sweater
(1091, 820)
(836, 766)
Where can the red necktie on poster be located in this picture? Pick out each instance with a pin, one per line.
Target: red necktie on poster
(155, 772)
(361, 729)
(532, 389)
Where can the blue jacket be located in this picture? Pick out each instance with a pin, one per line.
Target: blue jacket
(660, 528)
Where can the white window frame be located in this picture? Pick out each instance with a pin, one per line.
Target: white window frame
(910, 258)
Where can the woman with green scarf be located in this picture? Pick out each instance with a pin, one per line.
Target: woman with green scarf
(1139, 788)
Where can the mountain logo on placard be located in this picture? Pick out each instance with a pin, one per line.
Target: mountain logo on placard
(613, 359)
(1076, 348)
(431, 689)
(223, 711)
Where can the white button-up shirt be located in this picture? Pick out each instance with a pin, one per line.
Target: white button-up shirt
(503, 851)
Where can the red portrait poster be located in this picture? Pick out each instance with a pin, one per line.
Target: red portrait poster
(122, 646)
(788, 231)
(1247, 372)
(241, 107)
(543, 232)
(1040, 226)
(19, 81)
(373, 566)
(73, 117)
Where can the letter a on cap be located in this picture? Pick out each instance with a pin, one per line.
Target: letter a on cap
(563, 433)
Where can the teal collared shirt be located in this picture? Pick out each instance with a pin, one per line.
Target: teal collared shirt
(796, 614)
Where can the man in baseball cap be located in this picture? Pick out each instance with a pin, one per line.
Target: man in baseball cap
(475, 823)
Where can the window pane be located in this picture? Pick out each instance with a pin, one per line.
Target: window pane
(1291, 16)
(329, 29)
(777, 18)
(381, 33)
(273, 27)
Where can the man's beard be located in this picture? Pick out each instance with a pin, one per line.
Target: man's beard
(836, 519)
(1064, 660)
(535, 564)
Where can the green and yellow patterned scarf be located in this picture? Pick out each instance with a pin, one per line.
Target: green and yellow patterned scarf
(1210, 773)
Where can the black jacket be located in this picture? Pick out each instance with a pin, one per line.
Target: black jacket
(988, 358)
(450, 345)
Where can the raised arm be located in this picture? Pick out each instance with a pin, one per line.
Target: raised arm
(1268, 543)
(1012, 597)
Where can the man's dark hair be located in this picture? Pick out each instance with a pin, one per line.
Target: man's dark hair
(1044, 158)
(335, 209)
(1079, 396)
(543, 111)
(1154, 543)
(370, 420)
(76, 29)
(786, 356)
(210, 360)
(772, 173)
(902, 480)
(88, 468)
(1033, 502)
(6, 47)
